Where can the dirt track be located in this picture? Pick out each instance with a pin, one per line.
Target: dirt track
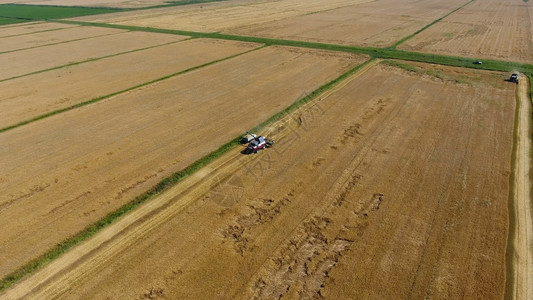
(407, 186)
(118, 148)
(523, 239)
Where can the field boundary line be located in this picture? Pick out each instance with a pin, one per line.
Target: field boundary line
(454, 61)
(398, 43)
(92, 59)
(100, 98)
(163, 186)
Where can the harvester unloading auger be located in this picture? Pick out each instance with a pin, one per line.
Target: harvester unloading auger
(255, 143)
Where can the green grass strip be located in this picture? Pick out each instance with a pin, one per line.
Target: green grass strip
(45, 12)
(387, 53)
(162, 186)
(427, 26)
(90, 60)
(18, 13)
(97, 99)
(7, 21)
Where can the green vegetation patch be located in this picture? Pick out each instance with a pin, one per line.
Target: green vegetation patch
(402, 66)
(449, 35)
(6, 21)
(39, 12)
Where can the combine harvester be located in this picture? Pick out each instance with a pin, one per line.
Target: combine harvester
(255, 143)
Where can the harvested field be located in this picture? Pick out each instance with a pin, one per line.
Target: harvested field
(403, 196)
(484, 29)
(72, 85)
(24, 62)
(376, 24)
(118, 148)
(27, 28)
(40, 39)
(219, 16)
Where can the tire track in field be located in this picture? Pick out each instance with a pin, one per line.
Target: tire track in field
(522, 260)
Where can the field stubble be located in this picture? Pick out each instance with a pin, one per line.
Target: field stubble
(111, 155)
(24, 62)
(65, 87)
(484, 29)
(408, 186)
